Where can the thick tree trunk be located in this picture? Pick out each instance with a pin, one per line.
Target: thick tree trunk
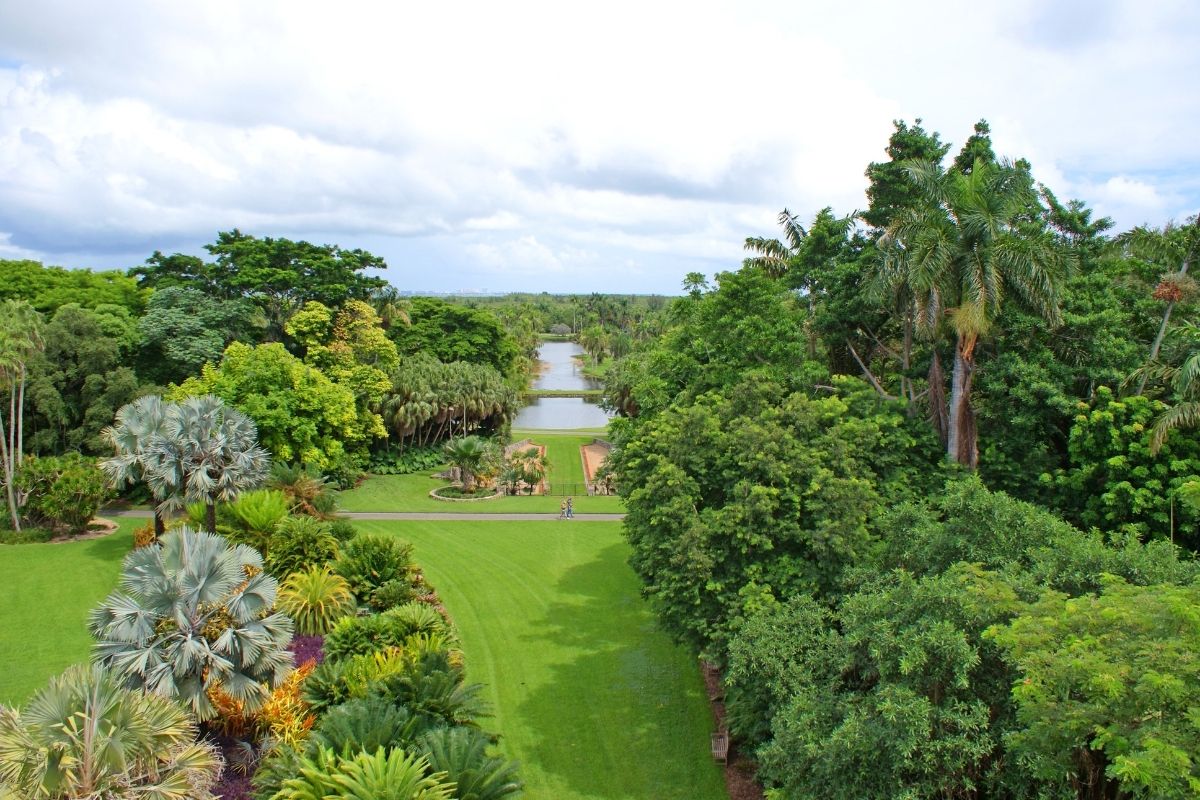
(160, 527)
(210, 516)
(961, 444)
(938, 417)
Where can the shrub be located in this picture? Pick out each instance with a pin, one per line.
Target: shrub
(362, 635)
(335, 682)
(143, 535)
(85, 735)
(300, 543)
(63, 492)
(462, 754)
(257, 514)
(304, 487)
(432, 683)
(286, 717)
(386, 775)
(315, 599)
(192, 615)
(368, 562)
(394, 593)
(407, 461)
(281, 763)
(343, 530)
(365, 725)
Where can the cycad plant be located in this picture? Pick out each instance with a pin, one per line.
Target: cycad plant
(385, 775)
(462, 754)
(315, 599)
(257, 514)
(86, 736)
(194, 615)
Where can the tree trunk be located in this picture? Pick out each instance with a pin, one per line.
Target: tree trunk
(1162, 329)
(906, 382)
(938, 417)
(160, 527)
(961, 444)
(10, 491)
(210, 516)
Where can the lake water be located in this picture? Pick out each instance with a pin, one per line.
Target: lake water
(561, 372)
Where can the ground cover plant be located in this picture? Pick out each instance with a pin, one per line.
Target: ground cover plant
(589, 696)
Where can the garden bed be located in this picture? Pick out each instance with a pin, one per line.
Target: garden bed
(463, 498)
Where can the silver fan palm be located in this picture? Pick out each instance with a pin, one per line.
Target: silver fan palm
(191, 616)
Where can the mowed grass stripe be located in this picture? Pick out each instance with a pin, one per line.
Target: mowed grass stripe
(588, 695)
(48, 591)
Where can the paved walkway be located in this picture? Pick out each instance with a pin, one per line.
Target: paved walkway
(418, 515)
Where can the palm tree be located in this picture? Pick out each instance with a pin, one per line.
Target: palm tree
(138, 424)
(20, 338)
(1183, 380)
(967, 247)
(208, 452)
(191, 616)
(87, 736)
(772, 255)
(1173, 245)
(468, 454)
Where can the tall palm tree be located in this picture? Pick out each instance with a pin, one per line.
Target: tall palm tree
(773, 256)
(87, 736)
(969, 246)
(138, 424)
(20, 338)
(191, 616)
(1174, 248)
(208, 452)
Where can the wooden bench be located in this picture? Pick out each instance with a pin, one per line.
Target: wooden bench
(720, 746)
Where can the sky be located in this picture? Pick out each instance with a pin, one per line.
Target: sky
(558, 146)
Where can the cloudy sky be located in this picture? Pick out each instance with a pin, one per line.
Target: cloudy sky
(557, 146)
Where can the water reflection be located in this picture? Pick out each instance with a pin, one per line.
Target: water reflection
(561, 371)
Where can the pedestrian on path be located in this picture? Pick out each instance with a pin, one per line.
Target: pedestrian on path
(562, 510)
(570, 508)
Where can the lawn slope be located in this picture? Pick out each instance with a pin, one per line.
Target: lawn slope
(588, 695)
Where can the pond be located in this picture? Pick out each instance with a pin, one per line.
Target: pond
(561, 371)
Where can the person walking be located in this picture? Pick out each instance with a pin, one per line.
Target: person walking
(562, 510)
(570, 508)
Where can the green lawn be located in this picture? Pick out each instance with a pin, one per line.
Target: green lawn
(411, 492)
(588, 695)
(48, 591)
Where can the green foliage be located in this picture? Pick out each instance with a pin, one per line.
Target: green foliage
(461, 753)
(315, 599)
(393, 628)
(1109, 690)
(451, 332)
(386, 775)
(470, 455)
(406, 461)
(302, 415)
(49, 288)
(1115, 482)
(81, 377)
(258, 513)
(343, 530)
(430, 400)
(391, 594)
(365, 725)
(300, 543)
(85, 735)
(183, 330)
(62, 492)
(193, 615)
(368, 562)
(750, 496)
(891, 189)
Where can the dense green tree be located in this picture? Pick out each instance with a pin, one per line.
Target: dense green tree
(429, 400)
(753, 494)
(1109, 687)
(302, 415)
(278, 275)
(891, 188)
(184, 329)
(452, 332)
(81, 377)
(47, 288)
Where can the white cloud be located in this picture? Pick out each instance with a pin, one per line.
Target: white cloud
(505, 135)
